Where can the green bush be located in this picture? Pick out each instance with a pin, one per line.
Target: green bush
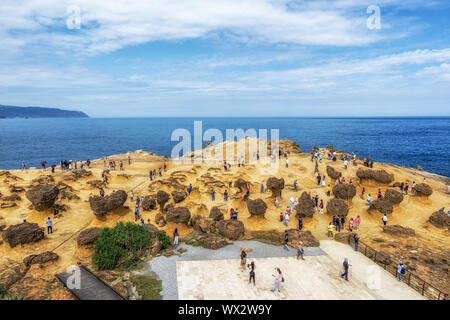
(165, 239)
(3, 291)
(123, 245)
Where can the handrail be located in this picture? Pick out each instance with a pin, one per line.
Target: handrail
(412, 280)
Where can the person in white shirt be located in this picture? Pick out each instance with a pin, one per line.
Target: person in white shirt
(385, 219)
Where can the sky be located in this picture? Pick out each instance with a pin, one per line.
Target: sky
(227, 58)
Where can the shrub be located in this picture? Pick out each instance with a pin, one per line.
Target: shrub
(165, 239)
(125, 244)
(3, 291)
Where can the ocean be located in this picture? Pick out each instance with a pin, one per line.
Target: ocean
(406, 141)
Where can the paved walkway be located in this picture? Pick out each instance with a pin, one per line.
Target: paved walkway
(383, 284)
(165, 267)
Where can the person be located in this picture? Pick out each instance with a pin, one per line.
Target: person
(230, 183)
(102, 192)
(356, 239)
(225, 196)
(406, 188)
(287, 163)
(342, 222)
(278, 279)
(321, 206)
(281, 216)
(252, 273)
(262, 188)
(291, 203)
(175, 237)
(286, 240)
(190, 188)
(350, 224)
(300, 223)
(385, 219)
(276, 202)
(445, 297)
(131, 195)
(49, 225)
(345, 164)
(136, 212)
(329, 190)
(23, 166)
(295, 185)
(363, 191)
(368, 199)
(330, 230)
(357, 222)
(151, 175)
(142, 222)
(286, 218)
(300, 251)
(55, 212)
(213, 195)
(129, 160)
(345, 273)
(400, 270)
(120, 165)
(243, 259)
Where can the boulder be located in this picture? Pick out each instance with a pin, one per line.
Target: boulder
(155, 246)
(296, 236)
(95, 184)
(206, 225)
(23, 233)
(343, 237)
(380, 176)
(178, 196)
(159, 220)
(13, 197)
(69, 195)
(440, 220)
(44, 179)
(393, 196)
(382, 205)
(232, 229)
(423, 189)
(216, 214)
(333, 173)
(213, 242)
(41, 258)
(397, 230)
(88, 237)
(162, 197)
(275, 185)
(305, 205)
(256, 207)
(344, 191)
(337, 207)
(178, 215)
(102, 205)
(16, 189)
(241, 184)
(149, 203)
(43, 196)
(79, 173)
(152, 229)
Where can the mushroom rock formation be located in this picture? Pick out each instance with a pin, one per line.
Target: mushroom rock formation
(88, 237)
(440, 220)
(382, 205)
(275, 185)
(216, 214)
(149, 203)
(214, 242)
(16, 189)
(305, 205)
(206, 225)
(423, 189)
(41, 258)
(162, 197)
(178, 215)
(102, 205)
(344, 191)
(159, 220)
(23, 233)
(397, 230)
(42, 196)
(231, 229)
(393, 196)
(296, 236)
(380, 176)
(95, 184)
(333, 173)
(337, 207)
(256, 207)
(241, 184)
(179, 196)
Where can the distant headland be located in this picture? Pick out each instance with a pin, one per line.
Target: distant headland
(38, 112)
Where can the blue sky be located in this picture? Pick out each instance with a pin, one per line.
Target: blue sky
(227, 57)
